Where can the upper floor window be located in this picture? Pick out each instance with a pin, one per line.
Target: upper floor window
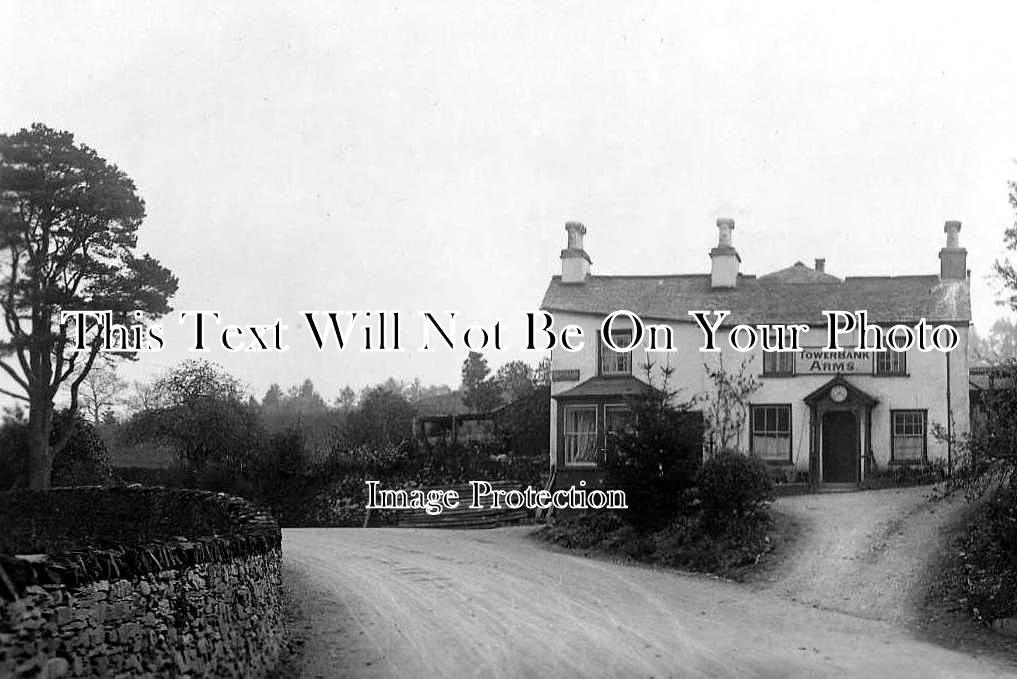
(778, 362)
(908, 438)
(891, 362)
(616, 362)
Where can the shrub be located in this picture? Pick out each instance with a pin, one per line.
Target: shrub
(686, 543)
(988, 554)
(83, 462)
(698, 544)
(584, 531)
(655, 461)
(732, 486)
(893, 476)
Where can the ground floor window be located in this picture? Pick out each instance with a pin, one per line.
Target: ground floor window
(580, 435)
(617, 418)
(771, 432)
(908, 439)
(586, 429)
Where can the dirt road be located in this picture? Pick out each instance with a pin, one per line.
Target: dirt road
(864, 553)
(432, 603)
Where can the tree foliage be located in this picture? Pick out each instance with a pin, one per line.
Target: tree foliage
(998, 344)
(68, 230)
(655, 461)
(1005, 269)
(479, 393)
(199, 411)
(515, 379)
(383, 417)
(346, 399)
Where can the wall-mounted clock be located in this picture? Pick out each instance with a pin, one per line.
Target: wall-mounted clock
(838, 393)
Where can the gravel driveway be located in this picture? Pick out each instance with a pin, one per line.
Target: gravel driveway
(864, 553)
(433, 603)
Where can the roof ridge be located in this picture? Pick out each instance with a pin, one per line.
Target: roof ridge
(655, 276)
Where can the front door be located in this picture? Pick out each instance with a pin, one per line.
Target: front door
(840, 447)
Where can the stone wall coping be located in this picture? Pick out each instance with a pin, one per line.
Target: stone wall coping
(242, 530)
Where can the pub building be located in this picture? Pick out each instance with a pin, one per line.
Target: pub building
(829, 418)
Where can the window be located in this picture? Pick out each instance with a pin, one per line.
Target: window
(891, 362)
(778, 362)
(617, 418)
(771, 432)
(616, 362)
(908, 439)
(581, 435)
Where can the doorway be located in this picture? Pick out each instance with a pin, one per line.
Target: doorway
(840, 447)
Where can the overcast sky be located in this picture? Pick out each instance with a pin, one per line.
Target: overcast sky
(425, 156)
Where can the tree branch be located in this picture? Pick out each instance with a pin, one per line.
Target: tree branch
(14, 395)
(65, 436)
(14, 375)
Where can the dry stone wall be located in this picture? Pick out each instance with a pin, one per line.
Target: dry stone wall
(202, 599)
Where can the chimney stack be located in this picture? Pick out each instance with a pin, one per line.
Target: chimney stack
(953, 259)
(821, 264)
(724, 259)
(575, 263)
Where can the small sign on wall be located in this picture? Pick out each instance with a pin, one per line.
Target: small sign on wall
(571, 375)
(816, 361)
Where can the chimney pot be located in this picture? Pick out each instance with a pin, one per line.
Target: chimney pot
(952, 230)
(953, 259)
(725, 226)
(821, 264)
(575, 263)
(724, 259)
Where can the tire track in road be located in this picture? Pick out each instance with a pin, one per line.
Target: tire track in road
(496, 604)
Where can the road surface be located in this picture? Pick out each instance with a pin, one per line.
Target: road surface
(865, 553)
(494, 603)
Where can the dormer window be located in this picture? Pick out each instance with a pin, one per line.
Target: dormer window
(616, 362)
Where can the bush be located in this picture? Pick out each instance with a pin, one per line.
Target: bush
(988, 557)
(895, 476)
(689, 543)
(84, 461)
(732, 487)
(584, 531)
(697, 544)
(655, 462)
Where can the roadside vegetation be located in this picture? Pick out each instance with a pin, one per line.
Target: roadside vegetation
(978, 574)
(304, 458)
(683, 512)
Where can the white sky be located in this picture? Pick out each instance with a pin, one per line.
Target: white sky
(425, 156)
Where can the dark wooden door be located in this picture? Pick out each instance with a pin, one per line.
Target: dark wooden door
(840, 447)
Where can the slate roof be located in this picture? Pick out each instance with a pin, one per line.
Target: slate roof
(606, 386)
(797, 294)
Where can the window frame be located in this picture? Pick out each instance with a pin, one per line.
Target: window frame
(777, 357)
(571, 463)
(893, 358)
(603, 351)
(893, 435)
(753, 407)
(615, 406)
